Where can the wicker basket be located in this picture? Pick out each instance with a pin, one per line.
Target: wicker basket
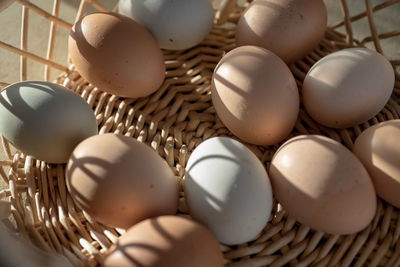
(173, 121)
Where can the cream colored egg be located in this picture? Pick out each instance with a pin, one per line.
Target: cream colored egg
(348, 87)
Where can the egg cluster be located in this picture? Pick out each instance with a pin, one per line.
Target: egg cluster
(124, 183)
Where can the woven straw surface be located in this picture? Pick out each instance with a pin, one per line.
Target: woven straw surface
(173, 121)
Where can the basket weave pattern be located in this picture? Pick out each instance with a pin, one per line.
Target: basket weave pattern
(173, 121)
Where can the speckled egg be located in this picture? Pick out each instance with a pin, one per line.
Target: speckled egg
(288, 28)
(176, 24)
(116, 54)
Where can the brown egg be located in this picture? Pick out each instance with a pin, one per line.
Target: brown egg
(116, 54)
(289, 28)
(164, 242)
(378, 148)
(121, 181)
(320, 183)
(255, 95)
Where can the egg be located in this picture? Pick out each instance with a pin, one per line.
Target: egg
(45, 120)
(255, 95)
(320, 183)
(348, 87)
(163, 242)
(288, 28)
(120, 181)
(378, 148)
(178, 24)
(116, 54)
(228, 189)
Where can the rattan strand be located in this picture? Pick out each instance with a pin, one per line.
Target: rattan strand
(173, 121)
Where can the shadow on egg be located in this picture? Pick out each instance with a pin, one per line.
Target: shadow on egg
(103, 44)
(245, 27)
(82, 164)
(121, 181)
(82, 44)
(127, 8)
(356, 56)
(342, 99)
(153, 246)
(161, 253)
(16, 104)
(293, 188)
(377, 150)
(207, 197)
(229, 84)
(234, 68)
(389, 150)
(227, 189)
(342, 201)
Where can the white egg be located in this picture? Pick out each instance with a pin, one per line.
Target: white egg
(228, 189)
(45, 120)
(176, 24)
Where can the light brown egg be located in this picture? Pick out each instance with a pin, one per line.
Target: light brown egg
(116, 54)
(289, 28)
(320, 183)
(164, 242)
(255, 95)
(378, 148)
(348, 87)
(121, 181)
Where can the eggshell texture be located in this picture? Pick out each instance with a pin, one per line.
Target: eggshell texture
(121, 181)
(228, 190)
(378, 148)
(289, 28)
(163, 242)
(176, 24)
(45, 120)
(255, 95)
(348, 87)
(320, 183)
(116, 54)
